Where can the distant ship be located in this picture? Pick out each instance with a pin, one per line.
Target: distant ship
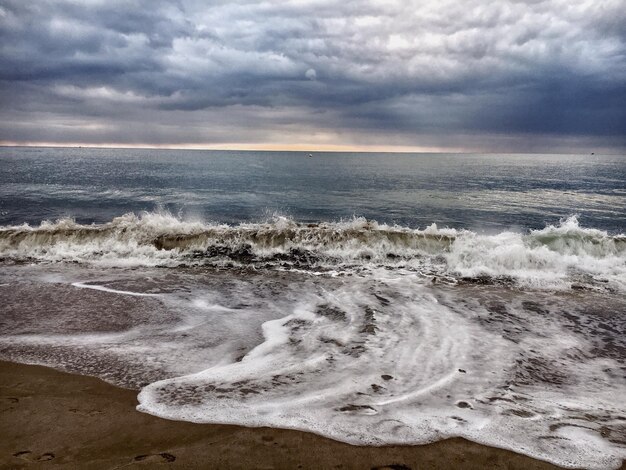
(310, 155)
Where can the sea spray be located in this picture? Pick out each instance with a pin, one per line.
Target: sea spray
(556, 257)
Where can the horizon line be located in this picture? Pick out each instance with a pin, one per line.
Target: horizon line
(285, 148)
(246, 147)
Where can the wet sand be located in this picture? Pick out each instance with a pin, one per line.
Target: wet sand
(54, 419)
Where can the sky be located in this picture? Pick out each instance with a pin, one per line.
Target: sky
(431, 75)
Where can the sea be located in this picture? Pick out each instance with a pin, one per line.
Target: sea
(373, 298)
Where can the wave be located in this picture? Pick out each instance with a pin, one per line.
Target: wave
(370, 352)
(563, 255)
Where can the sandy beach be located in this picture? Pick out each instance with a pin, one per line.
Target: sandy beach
(55, 419)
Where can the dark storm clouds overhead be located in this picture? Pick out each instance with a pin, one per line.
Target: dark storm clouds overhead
(504, 75)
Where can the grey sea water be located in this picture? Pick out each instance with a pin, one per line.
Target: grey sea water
(371, 298)
(483, 192)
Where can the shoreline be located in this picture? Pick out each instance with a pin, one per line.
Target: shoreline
(62, 420)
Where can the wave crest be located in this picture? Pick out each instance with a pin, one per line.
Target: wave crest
(558, 255)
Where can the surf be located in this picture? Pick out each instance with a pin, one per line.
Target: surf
(565, 255)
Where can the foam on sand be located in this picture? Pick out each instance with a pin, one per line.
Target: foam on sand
(352, 365)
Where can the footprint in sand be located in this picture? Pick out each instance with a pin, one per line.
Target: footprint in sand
(8, 401)
(28, 456)
(84, 412)
(393, 466)
(155, 458)
(24, 454)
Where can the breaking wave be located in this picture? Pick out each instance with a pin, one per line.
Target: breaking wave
(559, 256)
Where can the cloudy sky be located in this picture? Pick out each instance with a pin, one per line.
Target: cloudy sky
(535, 75)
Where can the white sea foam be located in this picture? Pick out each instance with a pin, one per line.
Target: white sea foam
(82, 285)
(376, 358)
(345, 365)
(556, 257)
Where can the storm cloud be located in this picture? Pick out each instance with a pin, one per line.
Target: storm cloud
(472, 75)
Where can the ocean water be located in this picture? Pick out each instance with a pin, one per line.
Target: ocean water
(371, 298)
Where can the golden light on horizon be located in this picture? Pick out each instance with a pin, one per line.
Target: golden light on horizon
(304, 147)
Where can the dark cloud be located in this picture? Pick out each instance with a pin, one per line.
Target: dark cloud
(441, 73)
